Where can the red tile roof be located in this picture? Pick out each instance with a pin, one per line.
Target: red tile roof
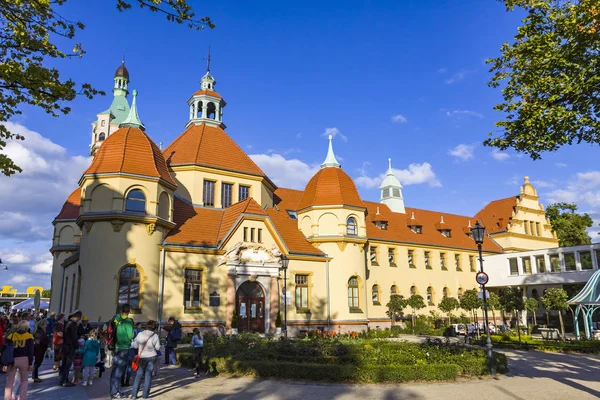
(209, 146)
(70, 210)
(288, 230)
(330, 186)
(208, 93)
(130, 150)
(232, 213)
(497, 214)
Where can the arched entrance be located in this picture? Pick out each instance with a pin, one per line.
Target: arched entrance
(250, 306)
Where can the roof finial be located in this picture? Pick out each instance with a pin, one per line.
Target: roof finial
(442, 221)
(389, 165)
(412, 215)
(526, 179)
(208, 60)
(133, 120)
(469, 224)
(377, 213)
(123, 59)
(330, 160)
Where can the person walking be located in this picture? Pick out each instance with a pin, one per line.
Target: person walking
(40, 347)
(69, 347)
(90, 351)
(173, 338)
(84, 328)
(22, 342)
(148, 344)
(198, 345)
(57, 340)
(78, 363)
(122, 328)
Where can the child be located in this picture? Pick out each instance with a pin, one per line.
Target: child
(78, 362)
(198, 344)
(90, 352)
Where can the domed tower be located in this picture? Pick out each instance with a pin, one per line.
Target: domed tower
(391, 191)
(206, 105)
(332, 217)
(126, 211)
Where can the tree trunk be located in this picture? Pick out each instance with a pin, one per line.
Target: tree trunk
(414, 318)
(534, 318)
(547, 318)
(493, 316)
(562, 325)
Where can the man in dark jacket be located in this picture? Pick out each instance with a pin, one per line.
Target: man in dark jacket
(173, 338)
(84, 328)
(69, 348)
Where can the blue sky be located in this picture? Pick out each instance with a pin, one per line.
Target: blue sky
(399, 79)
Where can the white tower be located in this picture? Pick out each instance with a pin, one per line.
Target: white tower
(206, 105)
(391, 191)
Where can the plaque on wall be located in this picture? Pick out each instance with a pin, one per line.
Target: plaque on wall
(214, 300)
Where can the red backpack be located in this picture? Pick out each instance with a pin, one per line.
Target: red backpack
(111, 335)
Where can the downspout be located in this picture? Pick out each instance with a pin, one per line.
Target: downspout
(366, 289)
(62, 288)
(162, 289)
(328, 297)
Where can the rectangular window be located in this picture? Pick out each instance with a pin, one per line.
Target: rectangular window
(252, 234)
(226, 194)
(570, 262)
(540, 264)
(426, 259)
(209, 194)
(245, 234)
(243, 192)
(302, 291)
(373, 255)
(392, 256)
(457, 262)
(103, 123)
(292, 214)
(192, 288)
(554, 263)
(443, 262)
(538, 228)
(526, 223)
(259, 237)
(514, 267)
(411, 259)
(532, 227)
(585, 257)
(472, 263)
(526, 261)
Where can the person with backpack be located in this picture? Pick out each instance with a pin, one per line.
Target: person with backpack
(90, 352)
(57, 340)
(148, 344)
(173, 338)
(69, 348)
(21, 343)
(40, 347)
(120, 335)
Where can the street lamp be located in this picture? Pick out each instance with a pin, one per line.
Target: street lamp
(284, 265)
(478, 235)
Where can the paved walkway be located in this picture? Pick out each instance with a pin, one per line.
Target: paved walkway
(533, 375)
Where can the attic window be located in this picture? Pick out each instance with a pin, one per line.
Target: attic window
(396, 192)
(446, 233)
(417, 229)
(293, 214)
(382, 225)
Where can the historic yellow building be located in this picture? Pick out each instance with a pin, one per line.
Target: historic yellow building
(197, 231)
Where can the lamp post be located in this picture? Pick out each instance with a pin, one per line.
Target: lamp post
(478, 235)
(284, 265)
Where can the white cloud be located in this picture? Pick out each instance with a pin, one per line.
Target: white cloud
(458, 76)
(291, 173)
(44, 267)
(463, 151)
(19, 279)
(299, 135)
(538, 184)
(560, 165)
(31, 263)
(16, 258)
(465, 113)
(399, 119)
(499, 155)
(582, 189)
(334, 132)
(442, 70)
(415, 174)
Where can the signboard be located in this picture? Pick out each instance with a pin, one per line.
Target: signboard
(287, 296)
(480, 294)
(255, 255)
(482, 278)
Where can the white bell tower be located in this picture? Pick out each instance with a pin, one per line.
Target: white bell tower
(391, 191)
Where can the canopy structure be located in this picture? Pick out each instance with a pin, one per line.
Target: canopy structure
(28, 304)
(586, 302)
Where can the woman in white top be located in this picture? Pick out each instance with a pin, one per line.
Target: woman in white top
(148, 343)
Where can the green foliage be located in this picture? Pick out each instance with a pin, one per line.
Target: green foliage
(447, 305)
(529, 343)
(569, 226)
(416, 302)
(469, 301)
(395, 306)
(511, 299)
(234, 319)
(34, 37)
(278, 320)
(46, 293)
(493, 301)
(549, 74)
(531, 305)
(555, 299)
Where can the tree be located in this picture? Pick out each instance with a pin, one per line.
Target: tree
(532, 305)
(415, 302)
(447, 305)
(46, 293)
(33, 36)
(511, 300)
(493, 303)
(395, 306)
(470, 302)
(549, 76)
(556, 299)
(569, 226)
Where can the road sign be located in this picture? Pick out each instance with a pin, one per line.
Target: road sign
(480, 294)
(482, 278)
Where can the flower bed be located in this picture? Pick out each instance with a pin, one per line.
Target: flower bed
(342, 359)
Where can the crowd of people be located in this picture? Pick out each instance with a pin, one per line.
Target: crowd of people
(82, 351)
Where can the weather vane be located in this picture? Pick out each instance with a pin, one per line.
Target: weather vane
(208, 60)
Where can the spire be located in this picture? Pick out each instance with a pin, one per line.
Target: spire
(391, 191)
(133, 120)
(208, 61)
(330, 160)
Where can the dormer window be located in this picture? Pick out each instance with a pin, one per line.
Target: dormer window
(414, 225)
(443, 228)
(382, 225)
(446, 233)
(417, 229)
(292, 214)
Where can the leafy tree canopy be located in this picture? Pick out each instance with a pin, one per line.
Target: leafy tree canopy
(493, 301)
(511, 299)
(570, 227)
(396, 304)
(29, 35)
(448, 304)
(416, 302)
(555, 299)
(550, 77)
(469, 300)
(531, 305)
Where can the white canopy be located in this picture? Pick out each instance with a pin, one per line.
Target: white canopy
(28, 304)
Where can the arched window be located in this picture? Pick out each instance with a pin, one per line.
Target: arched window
(353, 292)
(211, 111)
(102, 136)
(129, 287)
(413, 290)
(534, 294)
(199, 109)
(136, 201)
(394, 290)
(445, 292)
(351, 227)
(375, 294)
(430, 296)
(460, 292)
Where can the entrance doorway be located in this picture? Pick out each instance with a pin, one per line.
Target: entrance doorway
(250, 303)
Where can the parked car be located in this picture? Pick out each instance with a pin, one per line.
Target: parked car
(459, 329)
